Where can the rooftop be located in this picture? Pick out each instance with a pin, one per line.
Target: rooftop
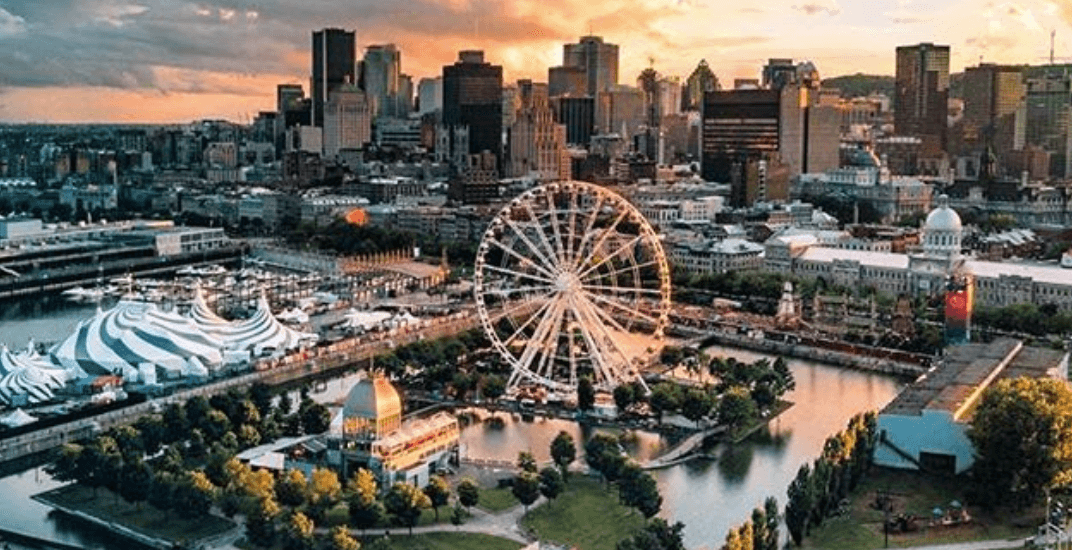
(956, 383)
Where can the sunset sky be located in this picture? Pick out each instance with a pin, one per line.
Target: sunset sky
(177, 61)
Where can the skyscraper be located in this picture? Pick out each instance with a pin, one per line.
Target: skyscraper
(333, 66)
(430, 94)
(598, 59)
(700, 81)
(537, 142)
(347, 120)
(922, 93)
(992, 95)
(286, 95)
(382, 68)
(472, 98)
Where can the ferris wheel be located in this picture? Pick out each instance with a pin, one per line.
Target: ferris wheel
(571, 281)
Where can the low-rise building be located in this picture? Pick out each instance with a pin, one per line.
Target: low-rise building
(926, 425)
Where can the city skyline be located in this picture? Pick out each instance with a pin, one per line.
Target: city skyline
(156, 61)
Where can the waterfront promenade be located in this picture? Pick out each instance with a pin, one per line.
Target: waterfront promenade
(339, 356)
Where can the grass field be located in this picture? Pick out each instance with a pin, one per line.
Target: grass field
(143, 519)
(916, 494)
(452, 541)
(586, 516)
(496, 500)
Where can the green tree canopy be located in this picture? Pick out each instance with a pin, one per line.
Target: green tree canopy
(563, 452)
(1022, 433)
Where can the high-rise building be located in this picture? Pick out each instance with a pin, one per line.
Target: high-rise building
(922, 94)
(597, 58)
(286, 95)
(430, 95)
(405, 95)
(701, 80)
(571, 81)
(381, 70)
(1046, 116)
(537, 142)
(620, 110)
(472, 98)
(347, 120)
(992, 95)
(754, 137)
(577, 114)
(333, 66)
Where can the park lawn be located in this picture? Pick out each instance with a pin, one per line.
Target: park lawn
(143, 519)
(496, 500)
(587, 516)
(917, 494)
(451, 541)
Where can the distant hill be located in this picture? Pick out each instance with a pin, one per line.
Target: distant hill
(860, 84)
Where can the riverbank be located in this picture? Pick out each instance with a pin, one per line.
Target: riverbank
(856, 361)
(141, 524)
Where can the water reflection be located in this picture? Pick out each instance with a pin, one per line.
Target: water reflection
(734, 463)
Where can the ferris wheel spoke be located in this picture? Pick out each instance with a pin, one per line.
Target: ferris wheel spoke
(548, 263)
(622, 307)
(603, 237)
(572, 233)
(550, 344)
(578, 253)
(538, 335)
(617, 271)
(524, 304)
(623, 289)
(520, 329)
(617, 252)
(561, 251)
(604, 315)
(610, 366)
(551, 250)
(525, 261)
(547, 290)
(599, 362)
(515, 273)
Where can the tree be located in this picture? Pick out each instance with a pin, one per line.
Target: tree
(404, 502)
(551, 483)
(162, 491)
(695, 405)
(260, 523)
(526, 488)
(315, 419)
(770, 530)
(339, 539)
(153, 432)
(135, 481)
(665, 397)
(526, 462)
(656, 535)
(298, 532)
(438, 491)
(736, 408)
(623, 397)
(365, 511)
(65, 467)
(801, 500)
(261, 396)
(493, 388)
(586, 394)
(1022, 439)
(194, 494)
(324, 492)
(598, 448)
(563, 452)
(468, 493)
(292, 489)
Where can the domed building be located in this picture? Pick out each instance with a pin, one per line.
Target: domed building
(942, 231)
(373, 435)
(372, 410)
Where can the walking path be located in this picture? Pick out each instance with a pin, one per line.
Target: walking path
(999, 544)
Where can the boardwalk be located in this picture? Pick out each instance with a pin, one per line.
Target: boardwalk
(683, 450)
